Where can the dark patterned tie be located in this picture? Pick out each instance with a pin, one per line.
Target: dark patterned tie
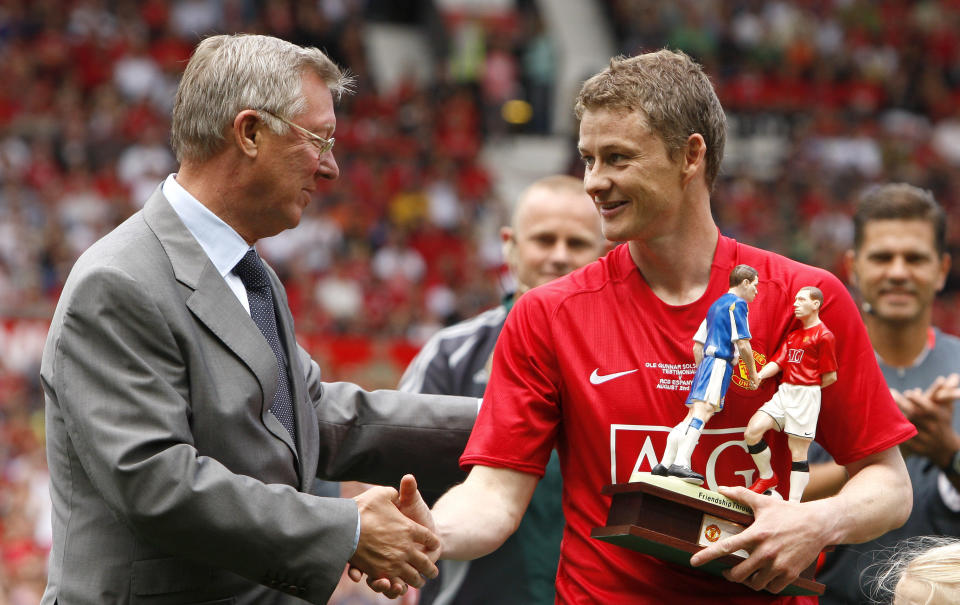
(254, 276)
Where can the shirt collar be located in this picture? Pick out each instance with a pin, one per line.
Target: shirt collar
(223, 245)
(931, 344)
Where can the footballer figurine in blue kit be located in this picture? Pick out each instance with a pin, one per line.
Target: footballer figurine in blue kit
(723, 337)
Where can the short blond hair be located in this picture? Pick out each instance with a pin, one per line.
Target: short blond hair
(555, 183)
(674, 94)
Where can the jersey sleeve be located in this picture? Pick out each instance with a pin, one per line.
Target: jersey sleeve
(741, 321)
(858, 417)
(518, 421)
(828, 353)
(701, 335)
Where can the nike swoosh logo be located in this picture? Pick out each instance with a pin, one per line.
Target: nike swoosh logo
(596, 378)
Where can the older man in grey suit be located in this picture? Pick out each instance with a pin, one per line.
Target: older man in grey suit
(184, 423)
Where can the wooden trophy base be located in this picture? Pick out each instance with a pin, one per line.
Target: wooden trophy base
(671, 520)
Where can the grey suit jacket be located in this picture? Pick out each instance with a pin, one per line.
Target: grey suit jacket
(171, 480)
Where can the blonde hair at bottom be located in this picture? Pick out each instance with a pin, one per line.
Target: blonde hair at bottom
(931, 563)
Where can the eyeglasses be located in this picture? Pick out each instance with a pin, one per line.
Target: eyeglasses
(322, 145)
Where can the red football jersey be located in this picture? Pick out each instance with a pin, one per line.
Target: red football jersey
(597, 366)
(806, 355)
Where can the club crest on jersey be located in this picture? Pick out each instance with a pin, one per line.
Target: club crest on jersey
(739, 377)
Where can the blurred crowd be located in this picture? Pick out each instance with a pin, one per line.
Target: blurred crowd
(824, 97)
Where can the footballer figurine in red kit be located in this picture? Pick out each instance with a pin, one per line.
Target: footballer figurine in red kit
(809, 362)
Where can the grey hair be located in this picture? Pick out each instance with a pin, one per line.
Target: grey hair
(230, 73)
(931, 561)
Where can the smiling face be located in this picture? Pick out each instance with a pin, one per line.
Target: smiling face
(554, 232)
(635, 184)
(898, 270)
(288, 168)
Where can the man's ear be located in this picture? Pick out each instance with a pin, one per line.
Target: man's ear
(247, 132)
(848, 260)
(945, 263)
(694, 156)
(507, 241)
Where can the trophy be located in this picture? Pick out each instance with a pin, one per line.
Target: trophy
(671, 519)
(665, 513)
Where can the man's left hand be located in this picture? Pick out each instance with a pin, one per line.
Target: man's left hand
(783, 540)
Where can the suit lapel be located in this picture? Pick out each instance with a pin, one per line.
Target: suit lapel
(215, 305)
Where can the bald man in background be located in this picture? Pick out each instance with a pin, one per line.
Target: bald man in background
(554, 229)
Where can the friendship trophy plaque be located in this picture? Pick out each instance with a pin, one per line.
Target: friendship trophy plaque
(671, 520)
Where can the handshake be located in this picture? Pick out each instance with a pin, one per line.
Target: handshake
(398, 544)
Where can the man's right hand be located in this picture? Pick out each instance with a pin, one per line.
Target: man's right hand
(473, 518)
(392, 546)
